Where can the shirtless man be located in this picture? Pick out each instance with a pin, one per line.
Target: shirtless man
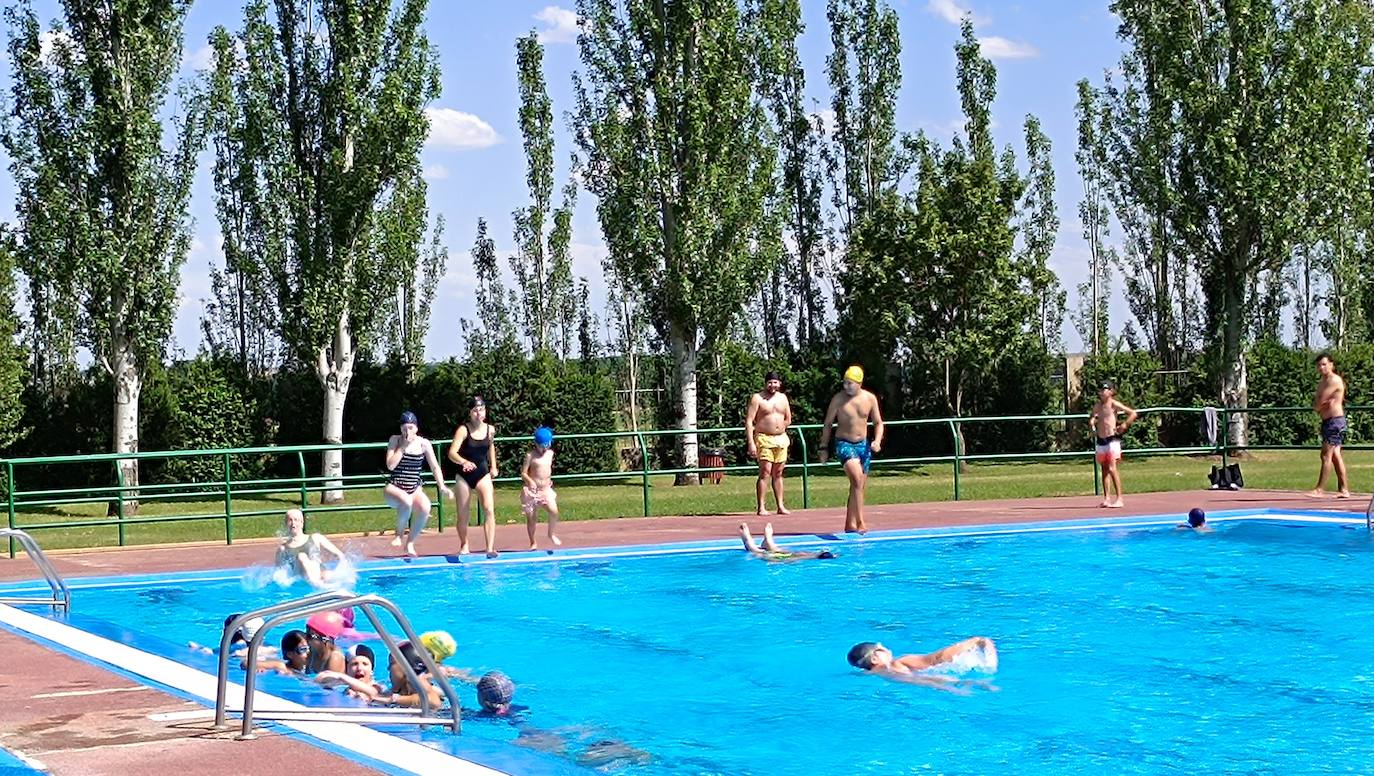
(1108, 433)
(765, 430)
(978, 653)
(1330, 405)
(850, 412)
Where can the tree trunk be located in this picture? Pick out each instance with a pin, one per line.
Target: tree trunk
(1235, 391)
(128, 384)
(684, 349)
(335, 370)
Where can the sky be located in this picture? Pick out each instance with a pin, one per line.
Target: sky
(474, 161)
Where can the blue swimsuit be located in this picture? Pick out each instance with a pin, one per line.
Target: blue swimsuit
(860, 451)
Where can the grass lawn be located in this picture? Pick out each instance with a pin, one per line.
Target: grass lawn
(600, 499)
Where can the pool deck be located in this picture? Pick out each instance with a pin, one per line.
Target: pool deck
(76, 718)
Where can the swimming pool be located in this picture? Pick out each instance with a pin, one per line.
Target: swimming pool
(1132, 648)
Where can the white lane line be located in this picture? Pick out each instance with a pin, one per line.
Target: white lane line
(398, 752)
(78, 693)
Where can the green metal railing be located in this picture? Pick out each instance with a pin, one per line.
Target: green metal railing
(227, 489)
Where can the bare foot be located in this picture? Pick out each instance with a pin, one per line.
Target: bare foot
(763, 512)
(782, 510)
(557, 542)
(1343, 494)
(1116, 504)
(493, 554)
(534, 546)
(1105, 503)
(1314, 493)
(410, 550)
(463, 550)
(397, 541)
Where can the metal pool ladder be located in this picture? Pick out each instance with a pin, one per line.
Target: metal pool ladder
(323, 602)
(61, 594)
(1369, 515)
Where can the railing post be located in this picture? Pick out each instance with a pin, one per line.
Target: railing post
(644, 471)
(119, 500)
(9, 491)
(806, 470)
(228, 503)
(305, 494)
(958, 454)
(439, 502)
(1225, 439)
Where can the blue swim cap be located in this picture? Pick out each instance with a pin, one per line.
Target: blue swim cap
(409, 417)
(543, 436)
(1196, 517)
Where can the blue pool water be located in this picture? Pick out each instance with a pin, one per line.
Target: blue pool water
(1125, 650)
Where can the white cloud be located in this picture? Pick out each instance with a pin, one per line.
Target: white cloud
(456, 130)
(435, 172)
(995, 47)
(827, 119)
(200, 59)
(952, 12)
(561, 25)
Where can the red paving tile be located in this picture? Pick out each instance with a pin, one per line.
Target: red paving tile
(109, 732)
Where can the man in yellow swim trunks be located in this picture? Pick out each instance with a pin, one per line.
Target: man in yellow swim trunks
(765, 429)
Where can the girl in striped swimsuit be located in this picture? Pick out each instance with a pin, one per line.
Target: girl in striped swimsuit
(406, 455)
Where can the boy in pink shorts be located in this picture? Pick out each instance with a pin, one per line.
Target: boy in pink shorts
(537, 475)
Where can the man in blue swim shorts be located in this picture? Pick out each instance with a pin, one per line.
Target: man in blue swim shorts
(1330, 405)
(850, 412)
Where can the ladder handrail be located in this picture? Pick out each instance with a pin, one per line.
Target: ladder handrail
(322, 602)
(1369, 515)
(61, 594)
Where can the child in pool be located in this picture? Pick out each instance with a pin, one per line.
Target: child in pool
(359, 679)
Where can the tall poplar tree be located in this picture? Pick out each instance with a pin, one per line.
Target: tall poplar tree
(793, 293)
(325, 121)
(1038, 230)
(865, 75)
(1239, 87)
(679, 154)
(1091, 318)
(543, 267)
(101, 199)
(13, 357)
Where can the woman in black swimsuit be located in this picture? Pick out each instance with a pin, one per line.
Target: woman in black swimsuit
(473, 451)
(406, 455)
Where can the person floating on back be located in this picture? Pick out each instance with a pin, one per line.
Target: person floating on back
(765, 432)
(771, 552)
(537, 476)
(1330, 406)
(850, 412)
(1108, 433)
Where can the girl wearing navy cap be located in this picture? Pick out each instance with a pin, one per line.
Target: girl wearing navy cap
(406, 455)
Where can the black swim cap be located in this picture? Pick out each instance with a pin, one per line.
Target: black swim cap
(417, 664)
(475, 402)
(363, 650)
(494, 690)
(772, 376)
(860, 653)
(825, 555)
(238, 633)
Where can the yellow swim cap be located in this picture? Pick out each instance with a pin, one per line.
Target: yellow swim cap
(440, 644)
(854, 374)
